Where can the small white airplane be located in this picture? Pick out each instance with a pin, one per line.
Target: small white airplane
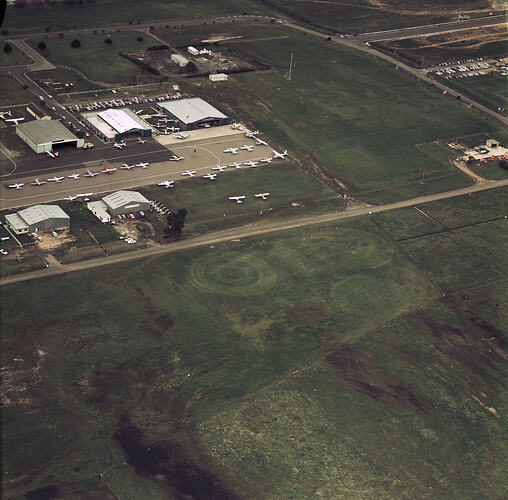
(175, 158)
(247, 147)
(266, 160)
(126, 167)
(52, 155)
(138, 112)
(181, 135)
(71, 198)
(190, 173)
(142, 165)
(91, 174)
(220, 168)
(238, 199)
(14, 120)
(37, 182)
(55, 179)
(3, 114)
(280, 155)
(260, 142)
(16, 186)
(263, 196)
(141, 141)
(108, 170)
(166, 184)
(73, 176)
(251, 163)
(235, 164)
(119, 145)
(210, 176)
(171, 129)
(231, 150)
(252, 134)
(236, 126)
(164, 120)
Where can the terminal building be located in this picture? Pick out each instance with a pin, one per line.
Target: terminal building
(38, 218)
(116, 124)
(43, 135)
(194, 113)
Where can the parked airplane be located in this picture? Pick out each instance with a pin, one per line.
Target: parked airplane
(251, 163)
(91, 174)
(231, 150)
(15, 120)
(252, 135)
(280, 155)
(142, 165)
(238, 199)
(108, 170)
(190, 173)
(266, 160)
(83, 195)
(166, 184)
(126, 167)
(119, 145)
(52, 155)
(181, 135)
(175, 158)
(247, 147)
(55, 179)
(220, 168)
(141, 141)
(236, 126)
(73, 176)
(261, 142)
(263, 196)
(235, 164)
(138, 112)
(210, 176)
(16, 186)
(37, 182)
(70, 198)
(3, 114)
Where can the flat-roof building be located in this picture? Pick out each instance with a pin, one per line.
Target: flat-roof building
(38, 218)
(194, 113)
(42, 135)
(179, 59)
(37, 112)
(125, 202)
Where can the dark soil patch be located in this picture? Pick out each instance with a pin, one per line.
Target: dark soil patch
(305, 315)
(164, 321)
(440, 330)
(46, 493)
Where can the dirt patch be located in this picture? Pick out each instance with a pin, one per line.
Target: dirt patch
(46, 242)
(305, 315)
(46, 493)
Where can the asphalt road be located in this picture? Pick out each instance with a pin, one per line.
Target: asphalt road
(255, 229)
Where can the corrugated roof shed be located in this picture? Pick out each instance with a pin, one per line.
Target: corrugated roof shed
(191, 110)
(121, 121)
(120, 198)
(46, 131)
(38, 213)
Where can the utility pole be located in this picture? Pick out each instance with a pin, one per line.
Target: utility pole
(290, 66)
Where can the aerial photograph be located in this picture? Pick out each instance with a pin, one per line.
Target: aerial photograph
(254, 249)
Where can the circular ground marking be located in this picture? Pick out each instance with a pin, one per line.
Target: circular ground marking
(235, 274)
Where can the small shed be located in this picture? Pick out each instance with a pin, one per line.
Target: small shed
(491, 143)
(218, 77)
(192, 50)
(179, 59)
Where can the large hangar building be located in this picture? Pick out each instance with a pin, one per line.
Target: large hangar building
(124, 202)
(116, 124)
(38, 218)
(43, 135)
(194, 113)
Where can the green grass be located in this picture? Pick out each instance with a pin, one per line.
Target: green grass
(14, 58)
(28, 263)
(97, 60)
(349, 113)
(13, 92)
(63, 76)
(208, 205)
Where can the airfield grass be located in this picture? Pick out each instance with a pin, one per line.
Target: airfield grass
(314, 361)
(14, 58)
(28, 263)
(115, 13)
(64, 76)
(209, 208)
(98, 61)
(349, 113)
(12, 92)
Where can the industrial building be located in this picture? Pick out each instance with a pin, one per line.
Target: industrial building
(115, 124)
(42, 135)
(38, 218)
(37, 112)
(194, 113)
(125, 202)
(180, 60)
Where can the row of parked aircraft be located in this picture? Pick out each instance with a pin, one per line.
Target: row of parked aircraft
(3, 114)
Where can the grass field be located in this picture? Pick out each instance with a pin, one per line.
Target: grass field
(12, 92)
(64, 76)
(116, 12)
(346, 112)
(14, 58)
(314, 361)
(97, 60)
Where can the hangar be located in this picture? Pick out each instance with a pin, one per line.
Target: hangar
(125, 202)
(38, 218)
(114, 124)
(42, 135)
(194, 113)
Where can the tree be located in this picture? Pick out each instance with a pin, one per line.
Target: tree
(7, 48)
(41, 45)
(139, 38)
(75, 43)
(175, 223)
(503, 164)
(108, 41)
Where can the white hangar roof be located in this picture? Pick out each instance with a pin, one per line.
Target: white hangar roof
(120, 121)
(191, 110)
(121, 198)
